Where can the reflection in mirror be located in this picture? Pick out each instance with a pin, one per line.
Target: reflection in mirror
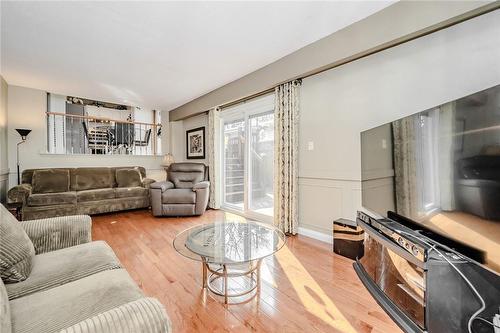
(441, 169)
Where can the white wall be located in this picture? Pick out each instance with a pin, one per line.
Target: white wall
(4, 166)
(56, 124)
(178, 136)
(401, 21)
(338, 104)
(26, 109)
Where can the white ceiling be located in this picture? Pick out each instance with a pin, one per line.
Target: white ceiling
(157, 54)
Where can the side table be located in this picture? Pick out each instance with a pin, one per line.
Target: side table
(348, 239)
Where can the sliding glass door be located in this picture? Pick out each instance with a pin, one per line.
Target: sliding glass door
(234, 163)
(248, 158)
(260, 163)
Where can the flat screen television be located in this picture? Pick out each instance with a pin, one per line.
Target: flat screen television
(438, 171)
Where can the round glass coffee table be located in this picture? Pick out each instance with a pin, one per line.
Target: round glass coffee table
(229, 252)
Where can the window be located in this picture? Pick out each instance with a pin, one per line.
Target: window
(248, 158)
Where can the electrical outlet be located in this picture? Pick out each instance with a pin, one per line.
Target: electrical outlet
(384, 144)
(310, 145)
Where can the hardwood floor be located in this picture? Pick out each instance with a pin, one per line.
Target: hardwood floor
(305, 286)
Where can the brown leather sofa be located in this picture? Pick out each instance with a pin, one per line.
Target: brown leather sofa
(70, 191)
(184, 193)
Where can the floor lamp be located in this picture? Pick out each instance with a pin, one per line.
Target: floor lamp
(23, 133)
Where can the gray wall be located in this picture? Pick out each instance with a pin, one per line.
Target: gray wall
(4, 165)
(338, 104)
(407, 19)
(178, 136)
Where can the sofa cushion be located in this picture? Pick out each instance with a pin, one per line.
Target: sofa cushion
(178, 196)
(5, 324)
(142, 171)
(128, 178)
(56, 268)
(42, 212)
(145, 315)
(16, 249)
(129, 192)
(92, 178)
(57, 308)
(51, 199)
(112, 205)
(94, 195)
(50, 180)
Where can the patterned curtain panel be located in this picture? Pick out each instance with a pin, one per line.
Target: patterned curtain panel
(405, 166)
(214, 157)
(286, 141)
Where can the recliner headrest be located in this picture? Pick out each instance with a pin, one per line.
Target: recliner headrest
(187, 167)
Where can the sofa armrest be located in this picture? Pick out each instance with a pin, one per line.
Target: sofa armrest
(201, 185)
(145, 315)
(19, 193)
(163, 185)
(146, 182)
(58, 232)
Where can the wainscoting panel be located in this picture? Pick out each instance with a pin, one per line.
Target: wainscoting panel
(4, 185)
(321, 201)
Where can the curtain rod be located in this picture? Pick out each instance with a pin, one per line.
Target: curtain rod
(247, 98)
(424, 32)
(233, 103)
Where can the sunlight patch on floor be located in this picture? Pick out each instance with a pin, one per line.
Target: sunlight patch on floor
(267, 276)
(313, 298)
(233, 217)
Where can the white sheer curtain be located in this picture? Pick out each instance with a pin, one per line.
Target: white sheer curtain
(213, 151)
(286, 142)
(405, 166)
(446, 155)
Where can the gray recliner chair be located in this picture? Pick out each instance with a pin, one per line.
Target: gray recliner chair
(184, 193)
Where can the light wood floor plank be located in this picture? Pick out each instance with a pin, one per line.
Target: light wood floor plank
(305, 286)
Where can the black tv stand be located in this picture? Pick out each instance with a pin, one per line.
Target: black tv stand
(417, 286)
(405, 323)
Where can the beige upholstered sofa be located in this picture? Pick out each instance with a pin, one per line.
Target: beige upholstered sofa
(184, 193)
(69, 191)
(54, 279)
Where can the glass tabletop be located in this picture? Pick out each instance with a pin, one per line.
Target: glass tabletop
(229, 242)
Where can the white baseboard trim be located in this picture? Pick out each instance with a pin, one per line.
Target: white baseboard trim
(316, 235)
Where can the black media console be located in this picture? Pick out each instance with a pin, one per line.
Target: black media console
(413, 278)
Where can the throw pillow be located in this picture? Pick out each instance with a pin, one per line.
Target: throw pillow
(16, 249)
(50, 181)
(128, 178)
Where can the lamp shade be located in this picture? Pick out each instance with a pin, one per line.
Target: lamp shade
(23, 132)
(167, 160)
